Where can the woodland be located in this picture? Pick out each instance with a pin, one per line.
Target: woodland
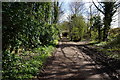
(32, 33)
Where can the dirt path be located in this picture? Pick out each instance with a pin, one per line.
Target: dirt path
(71, 63)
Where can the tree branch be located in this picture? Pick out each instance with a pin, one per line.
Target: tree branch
(98, 8)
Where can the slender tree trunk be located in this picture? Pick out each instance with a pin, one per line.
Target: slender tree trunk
(99, 34)
(104, 34)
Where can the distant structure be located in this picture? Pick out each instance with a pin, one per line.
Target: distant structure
(64, 35)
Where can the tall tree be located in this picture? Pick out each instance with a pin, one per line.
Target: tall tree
(76, 8)
(108, 10)
(78, 28)
(56, 14)
(98, 25)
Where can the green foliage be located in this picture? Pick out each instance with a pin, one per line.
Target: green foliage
(113, 33)
(101, 44)
(108, 10)
(78, 28)
(96, 33)
(63, 26)
(26, 26)
(115, 43)
(25, 66)
(111, 48)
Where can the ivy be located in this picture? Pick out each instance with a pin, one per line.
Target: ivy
(26, 27)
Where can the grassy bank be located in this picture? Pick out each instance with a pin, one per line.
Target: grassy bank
(110, 48)
(25, 65)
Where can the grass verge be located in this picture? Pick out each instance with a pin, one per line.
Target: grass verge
(25, 65)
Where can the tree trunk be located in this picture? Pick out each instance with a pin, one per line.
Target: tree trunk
(107, 23)
(99, 34)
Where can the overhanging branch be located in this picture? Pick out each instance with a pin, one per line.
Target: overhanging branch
(98, 8)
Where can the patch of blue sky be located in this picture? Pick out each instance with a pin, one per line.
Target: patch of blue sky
(67, 12)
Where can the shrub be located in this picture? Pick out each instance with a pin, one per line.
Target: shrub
(24, 66)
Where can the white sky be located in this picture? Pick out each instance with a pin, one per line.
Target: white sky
(65, 7)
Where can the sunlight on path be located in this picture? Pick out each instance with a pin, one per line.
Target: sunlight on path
(70, 63)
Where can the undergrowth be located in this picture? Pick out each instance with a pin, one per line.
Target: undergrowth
(110, 48)
(26, 65)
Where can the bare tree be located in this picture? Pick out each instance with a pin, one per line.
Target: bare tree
(91, 12)
(76, 7)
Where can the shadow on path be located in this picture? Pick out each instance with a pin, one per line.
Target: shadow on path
(73, 61)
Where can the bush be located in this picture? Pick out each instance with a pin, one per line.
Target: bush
(113, 33)
(111, 48)
(29, 27)
(115, 43)
(94, 35)
(24, 66)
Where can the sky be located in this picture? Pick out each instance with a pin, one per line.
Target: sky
(65, 7)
